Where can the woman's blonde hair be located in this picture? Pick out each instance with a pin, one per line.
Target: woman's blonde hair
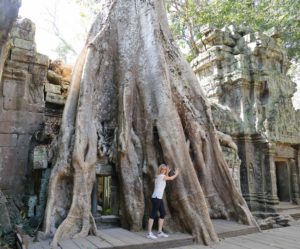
(161, 168)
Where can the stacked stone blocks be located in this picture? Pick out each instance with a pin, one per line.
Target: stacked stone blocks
(244, 74)
(21, 104)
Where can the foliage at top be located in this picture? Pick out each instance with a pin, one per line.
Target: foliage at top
(187, 16)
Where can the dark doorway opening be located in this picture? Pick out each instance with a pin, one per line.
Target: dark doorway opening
(283, 181)
(104, 195)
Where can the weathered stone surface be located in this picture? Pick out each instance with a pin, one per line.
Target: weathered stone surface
(244, 74)
(21, 103)
(41, 59)
(8, 140)
(40, 158)
(32, 200)
(54, 78)
(51, 88)
(55, 98)
(22, 55)
(23, 33)
(13, 91)
(24, 44)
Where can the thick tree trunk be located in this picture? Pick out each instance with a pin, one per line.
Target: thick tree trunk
(131, 79)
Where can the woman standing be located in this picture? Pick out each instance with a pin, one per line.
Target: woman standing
(157, 200)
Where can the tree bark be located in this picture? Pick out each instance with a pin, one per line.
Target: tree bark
(136, 101)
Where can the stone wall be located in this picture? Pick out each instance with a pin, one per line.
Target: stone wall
(244, 74)
(21, 104)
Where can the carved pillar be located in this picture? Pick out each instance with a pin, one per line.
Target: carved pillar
(272, 197)
(261, 176)
(247, 170)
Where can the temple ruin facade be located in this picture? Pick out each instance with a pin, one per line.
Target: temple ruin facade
(244, 74)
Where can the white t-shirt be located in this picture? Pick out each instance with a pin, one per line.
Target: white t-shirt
(159, 187)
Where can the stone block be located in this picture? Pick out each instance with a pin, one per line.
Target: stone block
(39, 107)
(13, 92)
(205, 29)
(24, 140)
(102, 169)
(17, 64)
(39, 73)
(215, 37)
(22, 33)
(263, 40)
(24, 44)
(32, 201)
(40, 158)
(249, 38)
(14, 74)
(13, 162)
(18, 54)
(8, 140)
(21, 122)
(55, 99)
(51, 88)
(54, 78)
(42, 59)
(227, 40)
(25, 24)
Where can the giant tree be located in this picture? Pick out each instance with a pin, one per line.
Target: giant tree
(136, 101)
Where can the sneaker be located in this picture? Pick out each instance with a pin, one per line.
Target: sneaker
(151, 236)
(162, 235)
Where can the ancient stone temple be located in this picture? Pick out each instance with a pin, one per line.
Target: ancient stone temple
(21, 103)
(244, 74)
(32, 97)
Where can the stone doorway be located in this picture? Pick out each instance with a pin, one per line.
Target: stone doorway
(103, 185)
(105, 198)
(283, 182)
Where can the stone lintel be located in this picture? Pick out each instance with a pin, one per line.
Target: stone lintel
(244, 137)
(104, 169)
(284, 151)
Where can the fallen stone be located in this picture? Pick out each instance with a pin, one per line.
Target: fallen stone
(55, 99)
(53, 77)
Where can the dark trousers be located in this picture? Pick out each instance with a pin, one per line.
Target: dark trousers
(157, 205)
